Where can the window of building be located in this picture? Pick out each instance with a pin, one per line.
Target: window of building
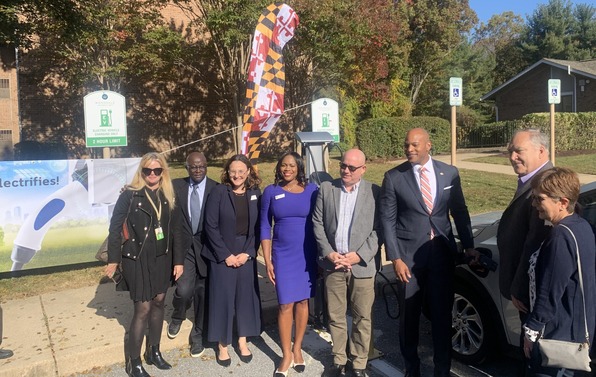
(4, 88)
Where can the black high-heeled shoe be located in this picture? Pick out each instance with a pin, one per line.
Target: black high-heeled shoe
(153, 357)
(134, 368)
(224, 363)
(299, 367)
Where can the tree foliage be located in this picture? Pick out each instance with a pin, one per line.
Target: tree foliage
(560, 30)
(21, 20)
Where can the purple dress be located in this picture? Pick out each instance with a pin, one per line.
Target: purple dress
(294, 249)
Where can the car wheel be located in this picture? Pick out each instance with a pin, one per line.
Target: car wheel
(472, 332)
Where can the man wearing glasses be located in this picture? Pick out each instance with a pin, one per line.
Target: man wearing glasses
(346, 229)
(191, 195)
(417, 198)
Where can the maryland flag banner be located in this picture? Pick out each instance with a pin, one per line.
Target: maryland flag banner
(266, 76)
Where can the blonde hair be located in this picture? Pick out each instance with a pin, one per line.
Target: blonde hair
(165, 183)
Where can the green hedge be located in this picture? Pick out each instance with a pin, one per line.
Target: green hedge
(384, 137)
(573, 131)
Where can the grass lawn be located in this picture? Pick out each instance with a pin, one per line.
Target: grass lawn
(584, 162)
(484, 192)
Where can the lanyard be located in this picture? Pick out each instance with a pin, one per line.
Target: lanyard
(157, 211)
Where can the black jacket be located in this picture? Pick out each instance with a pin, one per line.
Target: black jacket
(136, 209)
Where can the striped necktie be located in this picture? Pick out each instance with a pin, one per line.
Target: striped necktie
(427, 195)
(426, 191)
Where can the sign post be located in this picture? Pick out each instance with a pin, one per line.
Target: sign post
(455, 99)
(105, 120)
(554, 98)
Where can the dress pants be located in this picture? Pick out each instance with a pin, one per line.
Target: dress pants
(431, 283)
(340, 287)
(191, 288)
(234, 299)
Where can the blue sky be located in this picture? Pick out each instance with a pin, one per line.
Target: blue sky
(485, 9)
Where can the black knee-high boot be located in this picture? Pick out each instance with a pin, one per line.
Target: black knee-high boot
(153, 357)
(134, 368)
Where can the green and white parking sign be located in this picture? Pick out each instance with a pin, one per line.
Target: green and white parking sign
(105, 119)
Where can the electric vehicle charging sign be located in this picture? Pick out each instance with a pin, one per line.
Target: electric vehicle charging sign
(455, 91)
(554, 91)
(325, 117)
(105, 119)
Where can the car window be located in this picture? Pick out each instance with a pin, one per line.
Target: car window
(587, 203)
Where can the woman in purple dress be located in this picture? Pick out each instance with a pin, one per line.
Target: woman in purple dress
(290, 253)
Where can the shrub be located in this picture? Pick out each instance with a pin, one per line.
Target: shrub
(573, 131)
(384, 137)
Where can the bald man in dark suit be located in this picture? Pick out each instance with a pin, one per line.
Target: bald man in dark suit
(190, 237)
(417, 198)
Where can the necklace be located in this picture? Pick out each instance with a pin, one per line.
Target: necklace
(290, 188)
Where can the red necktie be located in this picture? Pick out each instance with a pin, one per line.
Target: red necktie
(426, 191)
(426, 195)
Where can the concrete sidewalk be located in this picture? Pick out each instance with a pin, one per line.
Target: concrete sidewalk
(462, 162)
(80, 332)
(62, 333)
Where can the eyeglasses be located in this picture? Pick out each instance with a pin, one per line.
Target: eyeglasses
(157, 171)
(237, 172)
(193, 168)
(351, 168)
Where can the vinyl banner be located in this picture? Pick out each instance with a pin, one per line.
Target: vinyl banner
(57, 212)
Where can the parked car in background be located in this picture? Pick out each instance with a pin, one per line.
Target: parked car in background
(483, 320)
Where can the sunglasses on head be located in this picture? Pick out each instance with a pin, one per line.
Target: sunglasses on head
(351, 168)
(147, 172)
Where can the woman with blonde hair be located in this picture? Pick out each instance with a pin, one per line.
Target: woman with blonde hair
(140, 240)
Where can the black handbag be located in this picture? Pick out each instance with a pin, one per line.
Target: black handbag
(102, 253)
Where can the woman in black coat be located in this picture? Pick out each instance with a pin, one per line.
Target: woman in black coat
(231, 221)
(143, 211)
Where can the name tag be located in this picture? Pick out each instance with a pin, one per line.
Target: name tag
(253, 197)
(159, 233)
(277, 197)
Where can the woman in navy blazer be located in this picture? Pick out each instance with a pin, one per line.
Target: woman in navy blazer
(231, 226)
(556, 307)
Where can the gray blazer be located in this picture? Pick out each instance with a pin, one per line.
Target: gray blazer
(520, 233)
(365, 239)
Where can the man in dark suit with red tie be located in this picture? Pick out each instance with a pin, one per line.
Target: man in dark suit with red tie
(191, 195)
(417, 199)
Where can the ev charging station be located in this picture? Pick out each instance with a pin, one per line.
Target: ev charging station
(314, 148)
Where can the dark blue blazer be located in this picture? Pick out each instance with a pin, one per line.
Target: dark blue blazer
(220, 224)
(558, 308)
(405, 222)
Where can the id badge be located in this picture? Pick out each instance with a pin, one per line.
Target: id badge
(159, 233)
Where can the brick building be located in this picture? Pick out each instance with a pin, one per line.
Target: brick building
(44, 116)
(9, 102)
(527, 92)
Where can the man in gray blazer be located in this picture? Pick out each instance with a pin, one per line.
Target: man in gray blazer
(190, 237)
(420, 243)
(347, 232)
(521, 231)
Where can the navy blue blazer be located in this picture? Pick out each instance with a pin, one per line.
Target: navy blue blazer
(220, 224)
(405, 222)
(558, 308)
